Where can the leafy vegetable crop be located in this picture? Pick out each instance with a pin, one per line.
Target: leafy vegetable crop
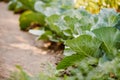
(16, 6)
(92, 41)
(29, 17)
(99, 41)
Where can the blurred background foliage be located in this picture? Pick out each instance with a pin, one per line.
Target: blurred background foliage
(94, 6)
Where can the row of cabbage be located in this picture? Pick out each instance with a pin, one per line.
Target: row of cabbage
(92, 41)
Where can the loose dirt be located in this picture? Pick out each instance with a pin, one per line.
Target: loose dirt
(18, 47)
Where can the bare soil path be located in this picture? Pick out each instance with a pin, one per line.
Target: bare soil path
(17, 47)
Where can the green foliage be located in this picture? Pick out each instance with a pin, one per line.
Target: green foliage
(79, 22)
(107, 18)
(92, 40)
(51, 7)
(70, 60)
(100, 40)
(87, 69)
(110, 38)
(29, 4)
(84, 45)
(16, 6)
(29, 17)
(91, 37)
(118, 23)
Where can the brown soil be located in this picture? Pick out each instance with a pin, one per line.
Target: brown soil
(17, 47)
